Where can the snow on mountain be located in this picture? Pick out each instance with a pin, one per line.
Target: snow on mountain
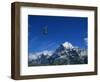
(66, 53)
(34, 56)
(68, 45)
(64, 48)
(83, 52)
(46, 52)
(31, 57)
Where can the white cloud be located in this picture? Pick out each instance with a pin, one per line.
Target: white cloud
(86, 40)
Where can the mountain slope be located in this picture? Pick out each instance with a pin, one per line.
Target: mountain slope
(65, 54)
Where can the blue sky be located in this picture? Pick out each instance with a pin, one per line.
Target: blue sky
(59, 30)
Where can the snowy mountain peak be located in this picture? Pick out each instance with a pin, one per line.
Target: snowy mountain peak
(46, 52)
(65, 54)
(67, 45)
